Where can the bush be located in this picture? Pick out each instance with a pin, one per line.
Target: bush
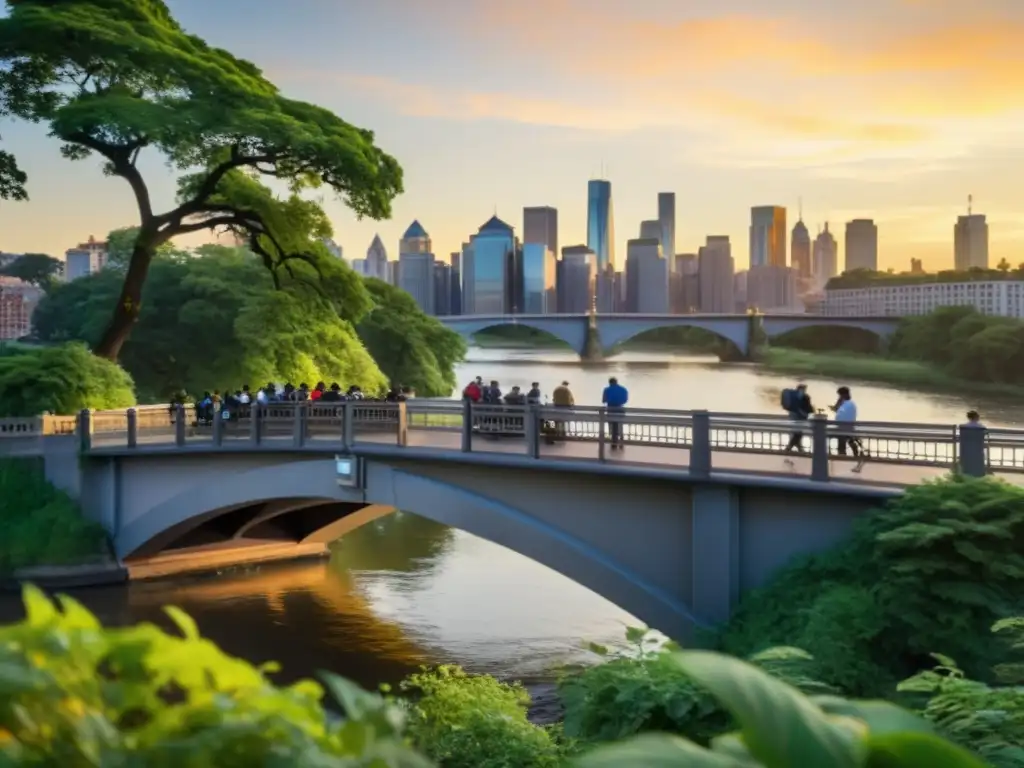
(475, 721)
(76, 694)
(41, 525)
(62, 380)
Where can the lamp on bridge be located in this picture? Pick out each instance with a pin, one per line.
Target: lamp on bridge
(346, 468)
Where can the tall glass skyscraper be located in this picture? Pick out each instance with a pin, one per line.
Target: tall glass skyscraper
(600, 226)
(487, 268)
(538, 265)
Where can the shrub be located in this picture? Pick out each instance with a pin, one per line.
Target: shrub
(40, 524)
(782, 728)
(63, 380)
(475, 721)
(76, 694)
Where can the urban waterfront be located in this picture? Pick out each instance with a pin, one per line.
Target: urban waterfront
(404, 591)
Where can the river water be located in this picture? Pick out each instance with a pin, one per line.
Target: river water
(403, 591)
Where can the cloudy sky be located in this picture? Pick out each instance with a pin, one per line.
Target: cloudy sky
(891, 109)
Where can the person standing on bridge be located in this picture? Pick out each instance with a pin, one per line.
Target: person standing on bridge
(615, 398)
(846, 419)
(797, 403)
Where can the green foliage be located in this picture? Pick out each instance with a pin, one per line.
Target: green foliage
(61, 379)
(933, 569)
(868, 278)
(37, 269)
(76, 694)
(412, 349)
(779, 727)
(41, 525)
(214, 321)
(121, 243)
(475, 721)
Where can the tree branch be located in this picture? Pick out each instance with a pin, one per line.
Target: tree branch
(121, 159)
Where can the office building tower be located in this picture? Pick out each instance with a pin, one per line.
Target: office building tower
(667, 217)
(416, 277)
(456, 282)
(377, 259)
(577, 274)
(772, 289)
(600, 223)
(685, 284)
(18, 301)
(649, 229)
(540, 295)
(739, 290)
(415, 240)
(360, 267)
(800, 249)
(646, 277)
(861, 245)
(540, 225)
(716, 270)
(85, 259)
(333, 248)
(825, 258)
(768, 236)
(442, 289)
(489, 270)
(970, 242)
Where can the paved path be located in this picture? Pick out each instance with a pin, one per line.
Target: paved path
(873, 474)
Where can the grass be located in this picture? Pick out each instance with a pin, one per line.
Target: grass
(851, 365)
(41, 525)
(488, 341)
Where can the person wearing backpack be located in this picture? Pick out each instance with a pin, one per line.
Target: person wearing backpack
(797, 403)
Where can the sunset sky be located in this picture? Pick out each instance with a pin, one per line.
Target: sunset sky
(891, 109)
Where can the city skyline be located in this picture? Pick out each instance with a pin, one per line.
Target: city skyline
(920, 113)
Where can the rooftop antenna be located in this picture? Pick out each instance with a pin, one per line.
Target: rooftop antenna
(800, 203)
(970, 204)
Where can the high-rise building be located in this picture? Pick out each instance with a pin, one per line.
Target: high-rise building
(540, 295)
(456, 281)
(970, 242)
(646, 277)
(17, 302)
(667, 217)
(442, 289)
(489, 270)
(85, 259)
(768, 236)
(360, 267)
(600, 223)
(577, 273)
(740, 283)
(377, 259)
(416, 277)
(394, 269)
(540, 225)
(650, 228)
(333, 248)
(800, 249)
(415, 240)
(825, 258)
(685, 284)
(716, 269)
(861, 245)
(770, 289)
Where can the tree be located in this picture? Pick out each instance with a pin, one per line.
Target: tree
(121, 244)
(115, 78)
(38, 269)
(413, 349)
(1003, 265)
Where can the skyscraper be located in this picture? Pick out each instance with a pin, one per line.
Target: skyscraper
(415, 240)
(861, 245)
(376, 262)
(416, 277)
(667, 217)
(768, 236)
(646, 277)
(540, 225)
(576, 277)
(600, 224)
(825, 261)
(800, 249)
(538, 270)
(970, 242)
(650, 228)
(716, 269)
(488, 271)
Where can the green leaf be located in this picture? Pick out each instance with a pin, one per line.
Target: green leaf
(355, 702)
(780, 726)
(655, 750)
(917, 750)
(39, 610)
(185, 623)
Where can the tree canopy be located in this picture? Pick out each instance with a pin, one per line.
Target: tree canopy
(36, 268)
(412, 348)
(116, 78)
(215, 321)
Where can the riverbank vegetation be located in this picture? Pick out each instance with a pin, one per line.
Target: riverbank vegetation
(41, 525)
(939, 570)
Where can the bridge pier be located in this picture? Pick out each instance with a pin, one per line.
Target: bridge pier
(715, 553)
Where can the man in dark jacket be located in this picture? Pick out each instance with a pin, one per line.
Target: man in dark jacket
(800, 409)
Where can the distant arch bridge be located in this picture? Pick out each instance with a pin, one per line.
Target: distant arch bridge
(588, 335)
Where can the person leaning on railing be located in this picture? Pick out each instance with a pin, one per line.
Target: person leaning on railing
(561, 397)
(615, 397)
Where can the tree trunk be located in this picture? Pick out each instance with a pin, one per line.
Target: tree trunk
(129, 304)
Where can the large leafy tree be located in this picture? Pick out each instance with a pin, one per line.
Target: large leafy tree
(36, 268)
(115, 78)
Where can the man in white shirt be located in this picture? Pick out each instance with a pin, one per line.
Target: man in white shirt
(846, 420)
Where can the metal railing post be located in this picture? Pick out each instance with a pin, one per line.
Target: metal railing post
(531, 430)
(819, 447)
(403, 424)
(132, 418)
(299, 425)
(256, 412)
(217, 428)
(467, 425)
(972, 450)
(179, 424)
(348, 425)
(602, 441)
(700, 444)
(84, 429)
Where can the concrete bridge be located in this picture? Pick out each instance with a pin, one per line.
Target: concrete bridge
(590, 336)
(694, 508)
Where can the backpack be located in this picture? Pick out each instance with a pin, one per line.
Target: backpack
(472, 391)
(789, 400)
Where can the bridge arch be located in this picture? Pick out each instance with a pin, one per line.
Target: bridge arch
(882, 327)
(616, 329)
(299, 488)
(571, 329)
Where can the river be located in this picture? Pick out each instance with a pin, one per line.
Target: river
(404, 591)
